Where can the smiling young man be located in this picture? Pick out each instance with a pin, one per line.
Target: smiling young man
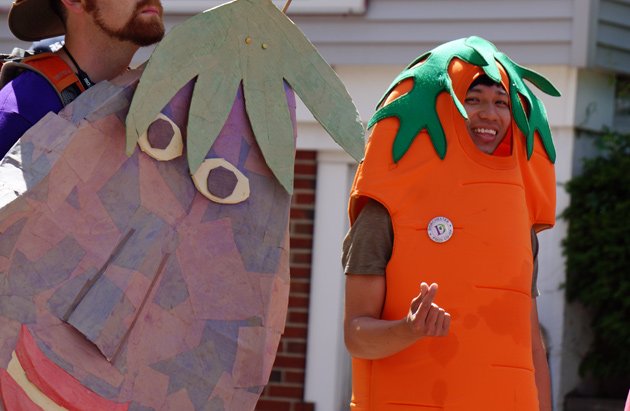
(465, 219)
(487, 105)
(101, 37)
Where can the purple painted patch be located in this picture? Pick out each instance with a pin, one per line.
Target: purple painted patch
(179, 183)
(27, 278)
(177, 108)
(221, 182)
(172, 290)
(160, 134)
(121, 194)
(73, 199)
(10, 236)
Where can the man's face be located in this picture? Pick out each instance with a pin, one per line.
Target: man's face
(137, 21)
(489, 115)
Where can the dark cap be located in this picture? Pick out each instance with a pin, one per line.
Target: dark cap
(32, 20)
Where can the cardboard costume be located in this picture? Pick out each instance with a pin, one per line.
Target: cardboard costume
(461, 218)
(152, 272)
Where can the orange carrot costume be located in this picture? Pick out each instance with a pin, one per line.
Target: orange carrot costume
(430, 180)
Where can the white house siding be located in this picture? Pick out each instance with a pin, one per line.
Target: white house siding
(395, 31)
(612, 48)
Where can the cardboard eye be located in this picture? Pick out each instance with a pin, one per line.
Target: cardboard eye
(163, 140)
(221, 182)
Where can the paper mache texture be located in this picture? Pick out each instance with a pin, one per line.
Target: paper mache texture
(144, 230)
(126, 276)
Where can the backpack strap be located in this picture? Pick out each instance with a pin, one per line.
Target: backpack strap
(50, 66)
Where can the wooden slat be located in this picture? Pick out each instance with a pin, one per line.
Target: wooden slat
(395, 31)
(612, 59)
(614, 37)
(612, 43)
(427, 10)
(323, 31)
(615, 13)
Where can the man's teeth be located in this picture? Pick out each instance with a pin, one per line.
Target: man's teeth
(485, 131)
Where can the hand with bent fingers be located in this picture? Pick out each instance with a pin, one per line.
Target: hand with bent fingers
(367, 335)
(425, 318)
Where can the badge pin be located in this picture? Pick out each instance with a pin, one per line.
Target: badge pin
(440, 229)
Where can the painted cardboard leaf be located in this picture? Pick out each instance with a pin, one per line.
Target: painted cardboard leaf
(252, 42)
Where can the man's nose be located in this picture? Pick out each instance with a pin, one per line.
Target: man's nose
(488, 112)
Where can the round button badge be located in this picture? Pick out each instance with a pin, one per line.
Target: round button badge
(440, 229)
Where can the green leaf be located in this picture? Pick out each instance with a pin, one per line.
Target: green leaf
(265, 101)
(487, 51)
(416, 110)
(174, 63)
(210, 106)
(537, 118)
(318, 86)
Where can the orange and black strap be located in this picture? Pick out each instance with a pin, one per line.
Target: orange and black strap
(54, 69)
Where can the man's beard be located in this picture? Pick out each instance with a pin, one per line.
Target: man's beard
(135, 30)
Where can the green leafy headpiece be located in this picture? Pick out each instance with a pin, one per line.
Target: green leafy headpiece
(416, 110)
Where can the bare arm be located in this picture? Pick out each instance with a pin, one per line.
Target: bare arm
(367, 336)
(541, 368)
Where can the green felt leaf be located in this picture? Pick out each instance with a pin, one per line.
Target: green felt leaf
(416, 110)
(537, 118)
(487, 50)
(252, 41)
(418, 105)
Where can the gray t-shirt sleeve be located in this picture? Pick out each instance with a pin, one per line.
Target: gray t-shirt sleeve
(535, 292)
(367, 247)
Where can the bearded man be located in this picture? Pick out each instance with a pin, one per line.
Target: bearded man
(101, 37)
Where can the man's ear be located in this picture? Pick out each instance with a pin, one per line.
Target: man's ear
(73, 6)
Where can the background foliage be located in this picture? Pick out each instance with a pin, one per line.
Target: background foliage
(597, 248)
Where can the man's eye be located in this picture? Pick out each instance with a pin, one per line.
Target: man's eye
(503, 103)
(471, 100)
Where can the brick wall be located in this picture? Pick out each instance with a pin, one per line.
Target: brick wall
(285, 391)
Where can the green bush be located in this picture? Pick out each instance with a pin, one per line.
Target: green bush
(597, 248)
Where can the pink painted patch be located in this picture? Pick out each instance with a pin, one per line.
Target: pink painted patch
(55, 382)
(13, 397)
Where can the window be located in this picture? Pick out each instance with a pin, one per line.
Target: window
(297, 6)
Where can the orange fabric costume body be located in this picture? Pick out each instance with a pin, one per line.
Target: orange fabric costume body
(484, 270)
